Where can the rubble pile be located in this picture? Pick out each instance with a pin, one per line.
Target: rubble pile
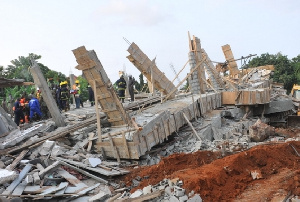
(67, 167)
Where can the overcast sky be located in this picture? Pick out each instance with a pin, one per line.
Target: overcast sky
(52, 28)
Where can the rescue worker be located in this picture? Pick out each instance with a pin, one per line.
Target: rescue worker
(64, 95)
(131, 83)
(121, 83)
(22, 103)
(91, 95)
(34, 107)
(18, 112)
(77, 95)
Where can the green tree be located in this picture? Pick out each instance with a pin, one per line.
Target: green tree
(1, 71)
(284, 68)
(296, 64)
(19, 69)
(84, 94)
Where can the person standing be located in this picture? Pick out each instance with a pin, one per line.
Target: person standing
(131, 82)
(34, 107)
(91, 95)
(121, 83)
(64, 95)
(77, 95)
(18, 112)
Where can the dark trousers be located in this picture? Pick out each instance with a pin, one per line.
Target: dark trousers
(131, 92)
(91, 98)
(121, 95)
(18, 116)
(64, 104)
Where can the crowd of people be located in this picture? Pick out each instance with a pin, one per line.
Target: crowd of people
(29, 108)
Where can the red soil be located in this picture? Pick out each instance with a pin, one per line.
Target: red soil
(227, 178)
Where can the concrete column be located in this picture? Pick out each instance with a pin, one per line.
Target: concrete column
(40, 80)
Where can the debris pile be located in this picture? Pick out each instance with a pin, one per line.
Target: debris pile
(51, 165)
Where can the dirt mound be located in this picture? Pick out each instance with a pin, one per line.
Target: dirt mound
(169, 165)
(226, 178)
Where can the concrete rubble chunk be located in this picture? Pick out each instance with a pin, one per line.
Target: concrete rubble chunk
(183, 198)
(173, 199)
(7, 176)
(147, 190)
(136, 194)
(46, 148)
(168, 191)
(36, 178)
(260, 131)
(178, 191)
(256, 174)
(195, 198)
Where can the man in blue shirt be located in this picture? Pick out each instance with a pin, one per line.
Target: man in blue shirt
(34, 107)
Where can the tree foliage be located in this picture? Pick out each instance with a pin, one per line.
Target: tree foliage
(285, 69)
(19, 69)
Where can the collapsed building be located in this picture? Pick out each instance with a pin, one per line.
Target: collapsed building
(221, 113)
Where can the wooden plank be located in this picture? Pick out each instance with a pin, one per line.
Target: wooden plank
(97, 114)
(125, 145)
(84, 172)
(189, 74)
(114, 148)
(97, 170)
(91, 135)
(48, 169)
(71, 178)
(36, 189)
(17, 160)
(54, 189)
(19, 189)
(190, 124)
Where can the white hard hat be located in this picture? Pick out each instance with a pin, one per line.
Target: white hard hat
(129, 75)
